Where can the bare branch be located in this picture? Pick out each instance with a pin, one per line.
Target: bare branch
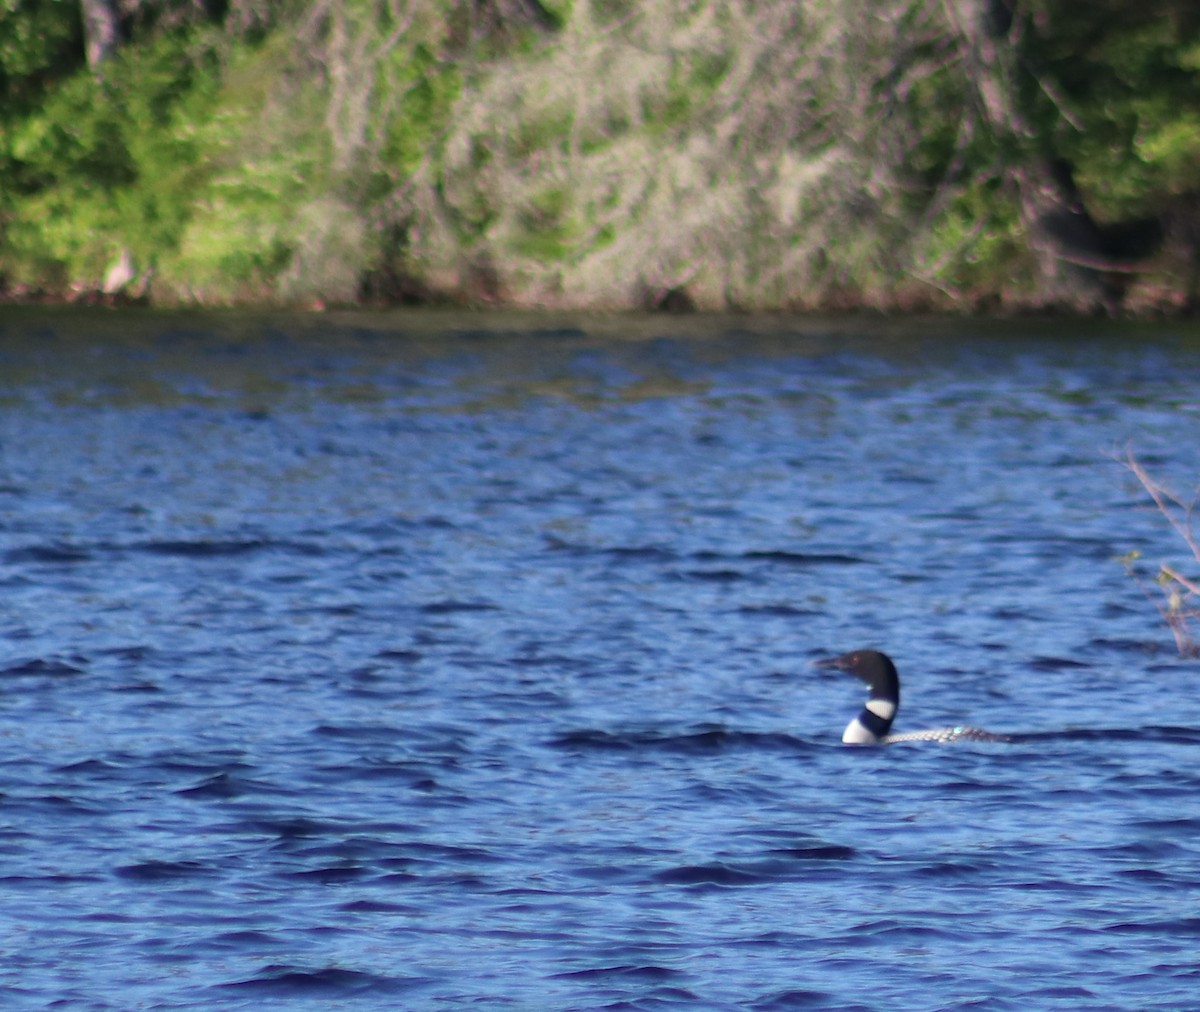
(1191, 585)
(1168, 503)
(1177, 589)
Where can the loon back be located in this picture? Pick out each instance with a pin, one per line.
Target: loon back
(874, 720)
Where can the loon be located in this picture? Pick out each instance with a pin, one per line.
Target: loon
(874, 721)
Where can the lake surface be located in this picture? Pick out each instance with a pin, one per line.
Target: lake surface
(433, 661)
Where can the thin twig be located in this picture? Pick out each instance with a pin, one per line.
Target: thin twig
(1193, 588)
(1167, 502)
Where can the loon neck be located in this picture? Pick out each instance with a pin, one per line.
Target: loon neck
(873, 722)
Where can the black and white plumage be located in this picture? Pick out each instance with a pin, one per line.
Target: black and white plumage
(874, 721)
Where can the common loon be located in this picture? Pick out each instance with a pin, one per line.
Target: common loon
(874, 721)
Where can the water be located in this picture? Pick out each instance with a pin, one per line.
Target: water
(435, 662)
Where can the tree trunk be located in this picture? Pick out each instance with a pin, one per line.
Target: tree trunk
(101, 29)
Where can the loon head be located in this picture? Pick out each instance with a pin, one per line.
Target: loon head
(873, 722)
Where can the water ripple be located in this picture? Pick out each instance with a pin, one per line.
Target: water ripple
(424, 663)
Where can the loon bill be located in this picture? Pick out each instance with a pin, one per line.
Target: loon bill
(874, 721)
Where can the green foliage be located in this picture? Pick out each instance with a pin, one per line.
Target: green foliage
(1171, 148)
(779, 155)
(689, 89)
(40, 42)
(608, 13)
(194, 154)
(108, 162)
(261, 164)
(1117, 92)
(430, 88)
(974, 240)
(548, 229)
(540, 133)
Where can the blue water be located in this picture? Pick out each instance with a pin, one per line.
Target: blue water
(433, 662)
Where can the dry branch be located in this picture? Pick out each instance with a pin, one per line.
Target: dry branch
(1178, 610)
